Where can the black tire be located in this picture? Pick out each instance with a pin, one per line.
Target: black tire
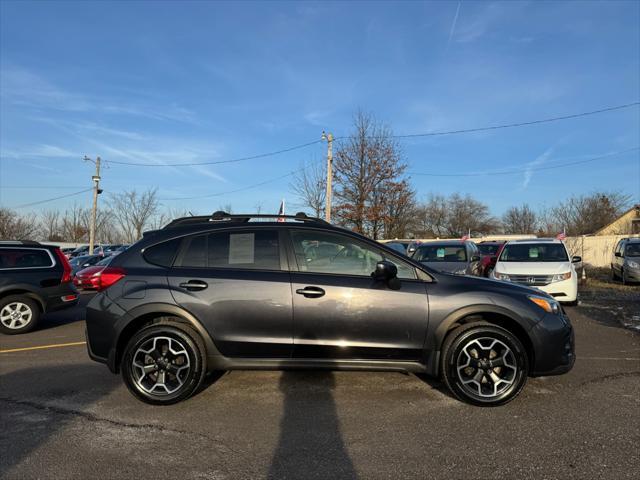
(623, 277)
(177, 385)
(614, 277)
(24, 320)
(473, 383)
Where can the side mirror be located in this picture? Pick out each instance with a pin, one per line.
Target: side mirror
(576, 259)
(618, 254)
(475, 258)
(385, 270)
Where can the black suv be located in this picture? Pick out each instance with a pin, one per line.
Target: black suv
(226, 292)
(34, 279)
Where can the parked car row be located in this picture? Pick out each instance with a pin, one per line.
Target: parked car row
(101, 250)
(540, 263)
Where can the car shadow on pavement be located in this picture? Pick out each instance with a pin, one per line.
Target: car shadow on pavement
(310, 444)
(37, 403)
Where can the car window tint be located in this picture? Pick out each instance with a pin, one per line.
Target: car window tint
(162, 253)
(257, 249)
(441, 253)
(194, 252)
(24, 258)
(321, 252)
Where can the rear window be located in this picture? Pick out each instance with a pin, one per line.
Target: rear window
(162, 254)
(534, 252)
(259, 250)
(24, 258)
(441, 253)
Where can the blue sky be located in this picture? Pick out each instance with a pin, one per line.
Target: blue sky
(165, 82)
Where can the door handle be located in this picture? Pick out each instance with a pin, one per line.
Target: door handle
(193, 285)
(310, 292)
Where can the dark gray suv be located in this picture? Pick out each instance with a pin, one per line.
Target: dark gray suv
(227, 292)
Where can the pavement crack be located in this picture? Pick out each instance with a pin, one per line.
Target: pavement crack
(613, 376)
(91, 417)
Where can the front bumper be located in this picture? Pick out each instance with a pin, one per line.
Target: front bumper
(632, 274)
(564, 291)
(554, 345)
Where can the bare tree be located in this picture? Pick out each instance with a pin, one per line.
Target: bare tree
(399, 210)
(432, 217)
(133, 211)
(520, 220)
(14, 226)
(74, 228)
(51, 225)
(584, 214)
(310, 185)
(366, 163)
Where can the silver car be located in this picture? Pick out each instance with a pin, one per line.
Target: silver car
(625, 263)
(461, 257)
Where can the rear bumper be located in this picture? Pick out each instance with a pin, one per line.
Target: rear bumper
(554, 346)
(65, 296)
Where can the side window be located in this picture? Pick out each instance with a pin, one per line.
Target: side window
(321, 252)
(24, 258)
(193, 252)
(162, 253)
(258, 250)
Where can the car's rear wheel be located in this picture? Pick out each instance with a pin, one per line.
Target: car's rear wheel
(164, 363)
(484, 364)
(18, 314)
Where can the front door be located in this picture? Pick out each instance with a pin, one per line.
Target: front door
(237, 284)
(340, 311)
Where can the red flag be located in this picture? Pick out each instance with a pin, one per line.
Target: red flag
(561, 236)
(281, 211)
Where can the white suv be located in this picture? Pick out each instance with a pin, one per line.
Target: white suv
(541, 263)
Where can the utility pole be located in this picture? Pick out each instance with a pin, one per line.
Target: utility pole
(94, 209)
(329, 139)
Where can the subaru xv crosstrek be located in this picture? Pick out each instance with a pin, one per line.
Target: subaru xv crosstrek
(235, 292)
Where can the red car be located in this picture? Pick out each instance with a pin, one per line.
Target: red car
(90, 278)
(489, 253)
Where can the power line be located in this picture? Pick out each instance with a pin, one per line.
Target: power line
(52, 199)
(519, 124)
(218, 162)
(514, 172)
(411, 135)
(40, 187)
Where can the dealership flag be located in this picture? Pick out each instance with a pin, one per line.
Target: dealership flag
(561, 236)
(281, 211)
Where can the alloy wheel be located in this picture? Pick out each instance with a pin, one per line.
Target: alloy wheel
(160, 365)
(486, 367)
(16, 315)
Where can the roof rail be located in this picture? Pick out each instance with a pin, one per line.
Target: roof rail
(221, 216)
(21, 242)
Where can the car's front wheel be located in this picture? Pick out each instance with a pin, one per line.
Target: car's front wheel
(484, 364)
(18, 314)
(164, 363)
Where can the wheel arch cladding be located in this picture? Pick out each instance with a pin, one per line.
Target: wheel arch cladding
(492, 315)
(150, 315)
(27, 293)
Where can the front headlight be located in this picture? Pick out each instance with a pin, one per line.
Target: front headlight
(547, 304)
(561, 276)
(633, 264)
(501, 276)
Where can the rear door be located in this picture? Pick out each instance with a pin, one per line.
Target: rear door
(340, 311)
(237, 284)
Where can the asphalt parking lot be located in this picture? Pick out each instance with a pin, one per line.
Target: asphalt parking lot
(64, 416)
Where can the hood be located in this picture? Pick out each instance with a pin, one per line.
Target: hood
(446, 266)
(533, 268)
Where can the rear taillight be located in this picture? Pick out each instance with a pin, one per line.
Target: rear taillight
(109, 276)
(66, 268)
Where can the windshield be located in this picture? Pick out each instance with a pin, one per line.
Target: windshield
(441, 253)
(534, 252)
(488, 249)
(632, 250)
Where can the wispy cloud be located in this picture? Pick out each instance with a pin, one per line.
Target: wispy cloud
(454, 23)
(528, 174)
(24, 88)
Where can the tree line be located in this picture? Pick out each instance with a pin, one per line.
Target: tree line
(372, 195)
